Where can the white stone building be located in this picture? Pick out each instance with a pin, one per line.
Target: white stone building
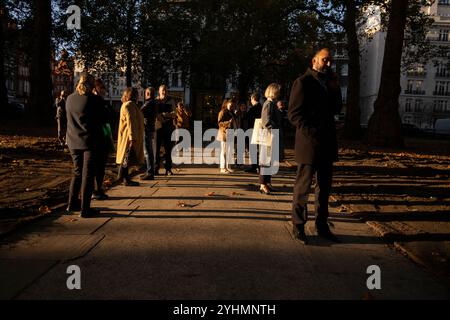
(425, 94)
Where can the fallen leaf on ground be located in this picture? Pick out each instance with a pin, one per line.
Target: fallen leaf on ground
(183, 204)
(107, 183)
(44, 209)
(209, 194)
(236, 194)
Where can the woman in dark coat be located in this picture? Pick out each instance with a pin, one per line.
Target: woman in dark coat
(270, 120)
(84, 131)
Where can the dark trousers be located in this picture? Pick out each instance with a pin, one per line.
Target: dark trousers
(264, 179)
(163, 137)
(61, 121)
(323, 173)
(102, 160)
(148, 151)
(84, 167)
(129, 160)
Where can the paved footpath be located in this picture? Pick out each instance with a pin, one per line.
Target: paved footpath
(202, 235)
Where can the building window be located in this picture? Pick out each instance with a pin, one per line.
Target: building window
(419, 86)
(447, 2)
(344, 70)
(442, 88)
(408, 105)
(409, 85)
(418, 105)
(344, 95)
(442, 70)
(440, 106)
(443, 35)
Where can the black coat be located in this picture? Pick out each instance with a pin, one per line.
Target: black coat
(254, 113)
(312, 106)
(150, 111)
(85, 118)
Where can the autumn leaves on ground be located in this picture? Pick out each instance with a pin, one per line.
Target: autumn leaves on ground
(377, 184)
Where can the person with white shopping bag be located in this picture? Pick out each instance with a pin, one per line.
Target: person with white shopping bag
(268, 137)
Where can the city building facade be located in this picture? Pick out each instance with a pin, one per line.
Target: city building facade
(425, 89)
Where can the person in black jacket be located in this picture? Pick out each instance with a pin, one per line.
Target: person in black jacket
(314, 100)
(150, 110)
(254, 113)
(105, 145)
(84, 131)
(60, 104)
(271, 120)
(166, 115)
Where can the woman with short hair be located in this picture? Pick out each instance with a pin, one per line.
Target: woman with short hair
(84, 131)
(130, 144)
(270, 120)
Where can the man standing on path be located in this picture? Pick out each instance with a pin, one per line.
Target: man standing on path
(166, 114)
(315, 99)
(150, 111)
(254, 113)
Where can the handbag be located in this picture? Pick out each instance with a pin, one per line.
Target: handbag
(261, 135)
(107, 133)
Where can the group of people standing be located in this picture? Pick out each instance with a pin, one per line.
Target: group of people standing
(141, 132)
(232, 117)
(315, 99)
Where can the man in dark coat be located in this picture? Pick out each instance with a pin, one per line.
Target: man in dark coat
(315, 99)
(84, 133)
(166, 113)
(254, 113)
(150, 110)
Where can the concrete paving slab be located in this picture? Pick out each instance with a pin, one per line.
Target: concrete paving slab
(233, 259)
(17, 274)
(225, 246)
(44, 246)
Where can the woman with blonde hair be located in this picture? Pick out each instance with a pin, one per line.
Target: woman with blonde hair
(84, 131)
(270, 120)
(130, 142)
(226, 120)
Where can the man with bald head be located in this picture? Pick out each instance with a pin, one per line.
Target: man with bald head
(315, 99)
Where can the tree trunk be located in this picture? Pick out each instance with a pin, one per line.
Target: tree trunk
(41, 82)
(385, 123)
(129, 43)
(3, 91)
(129, 63)
(352, 126)
(243, 85)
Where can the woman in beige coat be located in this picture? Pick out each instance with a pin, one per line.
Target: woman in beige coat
(226, 120)
(130, 142)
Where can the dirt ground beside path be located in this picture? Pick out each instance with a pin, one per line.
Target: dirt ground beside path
(35, 173)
